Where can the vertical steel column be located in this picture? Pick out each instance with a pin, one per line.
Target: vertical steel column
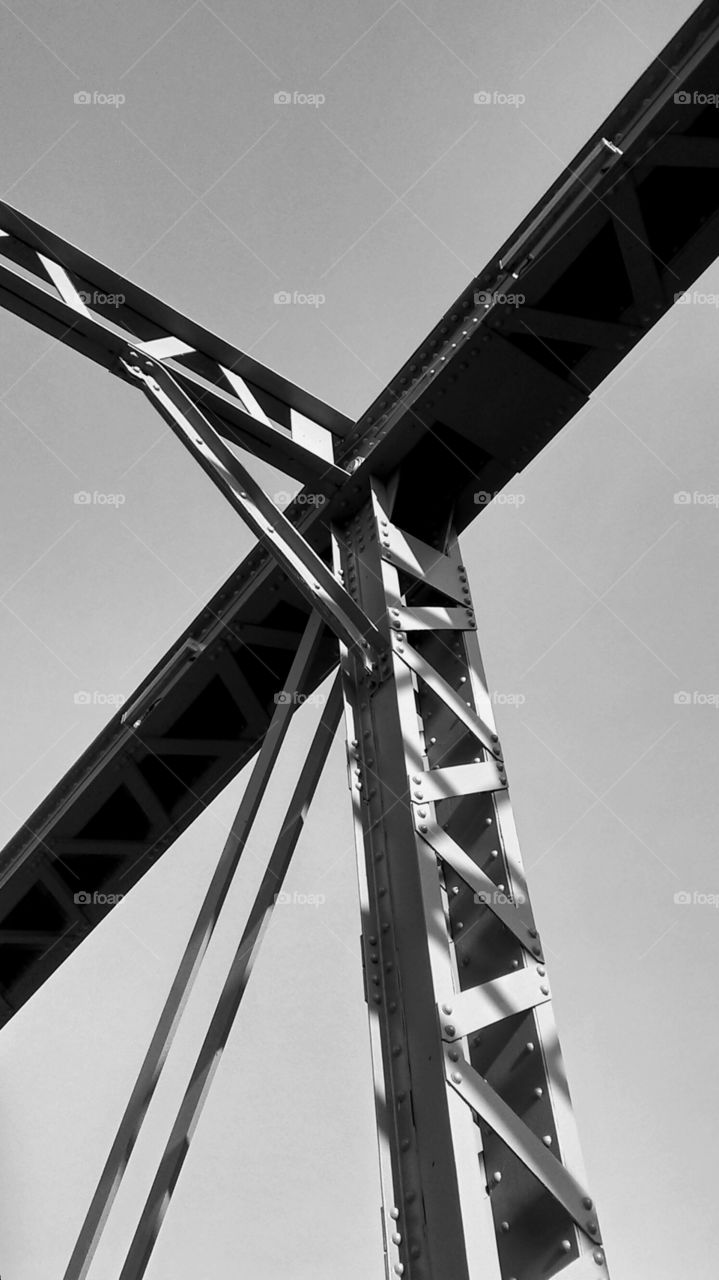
(480, 1168)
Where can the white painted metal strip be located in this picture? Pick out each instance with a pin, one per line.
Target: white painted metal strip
(63, 284)
(447, 694)
(486, 890)
(310, 435)
(480, 1007)
(431, 618)
(528, 1148)
(164, 348)
(242, 391)
(457, 780)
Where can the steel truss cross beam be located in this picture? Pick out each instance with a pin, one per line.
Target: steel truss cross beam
(599, 260)
(480, 1169)
(87, 306)
(311, 575)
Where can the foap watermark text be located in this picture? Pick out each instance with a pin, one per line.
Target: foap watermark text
(496, 98)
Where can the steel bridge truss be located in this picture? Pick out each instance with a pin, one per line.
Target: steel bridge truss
(479, 1158)
(481, 1174)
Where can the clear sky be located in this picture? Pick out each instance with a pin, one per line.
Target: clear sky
(594, 590)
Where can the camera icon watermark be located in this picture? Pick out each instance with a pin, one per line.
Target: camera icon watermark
(83, 498)
(495, 98)
(283, 499)
(286, 696)
(683, 698)
(97, 698)
(285, 98)
(683, 98)
(493, 298)
(83, 98)
(283, 298)
(695, 297)
(500, 897)
(483, 497)
(683, 499)
(296, 899)
(683, 898)
(95, 298)
(83, 898)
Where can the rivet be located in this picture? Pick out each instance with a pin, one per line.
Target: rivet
(450, 1030)
(598, 1256)
(505, 1227)
(544, 989)
(396, 1237)
(446, 1008)
(453, 1055)
(538, 1092)
(456, 1077)
(394, 1213)
(547, 1139)
(566, 1246)
(587, 1202)
(591, 1226)
(496, 1177)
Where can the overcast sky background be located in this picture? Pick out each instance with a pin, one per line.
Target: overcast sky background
(595, 595)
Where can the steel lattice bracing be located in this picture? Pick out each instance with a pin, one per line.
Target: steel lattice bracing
(481, 1172)
(600, 259)
(482, 1178)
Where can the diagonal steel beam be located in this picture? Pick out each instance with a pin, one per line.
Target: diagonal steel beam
(197, 944)
(470, 408)
(87, 306)
(312, 577)
(222, 1021)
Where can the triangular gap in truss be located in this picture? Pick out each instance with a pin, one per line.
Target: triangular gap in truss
(306, 989)
(292, 904)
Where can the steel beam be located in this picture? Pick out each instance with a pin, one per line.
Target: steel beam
(311, 576)
(230, 998)
(183, 982)
(93, 309)
(470, 408)
(480, 1167)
